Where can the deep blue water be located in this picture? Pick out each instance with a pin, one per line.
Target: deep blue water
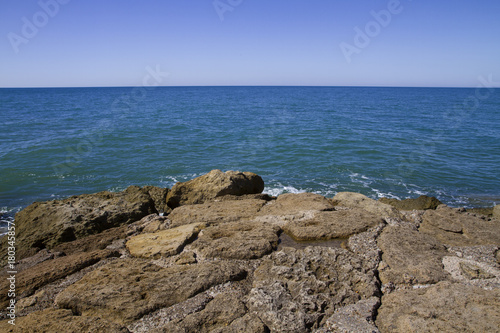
(395, 142)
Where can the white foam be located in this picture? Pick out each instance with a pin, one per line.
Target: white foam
(280, 189)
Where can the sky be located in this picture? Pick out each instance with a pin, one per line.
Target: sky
(84, 43)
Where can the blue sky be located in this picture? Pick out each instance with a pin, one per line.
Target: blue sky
(249, 42)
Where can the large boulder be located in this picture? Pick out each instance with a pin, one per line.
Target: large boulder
(47, 224)
(212, 185)
(444, 307)
(126, 290)
(423, 202)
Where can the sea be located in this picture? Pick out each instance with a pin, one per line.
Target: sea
(378, 141)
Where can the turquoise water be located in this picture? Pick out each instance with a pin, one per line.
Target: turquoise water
(395, 142)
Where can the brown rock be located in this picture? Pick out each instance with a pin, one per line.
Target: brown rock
(159, 196)
(356, 200)
(496, 212)
(445, 307)
(293, 290)
(47, 224)
(292, 203)
(59, 320)
(29, 280)
(423, 202)
(410, 257)
(216, 212)
(221, 312)
(329, 225)
(163, 243)
(454, 228)
(212, 185)
(125, 290)
(237, 240)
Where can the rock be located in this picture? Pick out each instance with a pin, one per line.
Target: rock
(127, 289)
(292, 203)
(329, 225)
(237, 240)
(216, 212)
(471, 272)
(445, 307)
(410, 257)
(212, 185)
(163, 243)
(293, 290)
(59, 320)
(93, 242)
(221, 312)
(159, 196)
(357, 318)
(29, 280)
(423, 202)
(365, 245)
(356, 200)
(454, 228)
(496, 212)
(150, 224)
(47, 224)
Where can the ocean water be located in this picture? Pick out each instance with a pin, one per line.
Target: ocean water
(393, 142)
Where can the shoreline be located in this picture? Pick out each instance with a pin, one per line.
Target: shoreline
(215, 253)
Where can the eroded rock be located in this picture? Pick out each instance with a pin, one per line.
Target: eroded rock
(216, 212)
(454, 228)
(293, 290)
(423, 202)
(60, 320)
(357, 200)
(237, 240)
(125, 290)
(410, 257)
(47, 224)
(163, 243)
(293, 203)
(445, 307)
(332, 224)
(212, 185)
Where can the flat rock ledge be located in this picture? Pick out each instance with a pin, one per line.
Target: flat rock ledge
(223, 257)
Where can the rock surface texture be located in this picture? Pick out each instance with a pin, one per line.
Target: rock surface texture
(224, 258)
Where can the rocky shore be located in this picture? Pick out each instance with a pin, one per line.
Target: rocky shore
(214, 254)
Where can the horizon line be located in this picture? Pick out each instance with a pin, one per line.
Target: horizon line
(227, 86)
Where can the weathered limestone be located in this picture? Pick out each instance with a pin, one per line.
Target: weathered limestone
(423, 202)
(291, 204)
(332, 224)
(444, 307)
(47, 224)
(237, 240)
(454, 228)
(60, 320)
(212, 185)
(29, 280)
(125, 290)
(410, 257)
(293, 289)
(216, 212)
(356, 200)
(163, 243)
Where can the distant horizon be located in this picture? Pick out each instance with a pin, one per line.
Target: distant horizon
(243, 86)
